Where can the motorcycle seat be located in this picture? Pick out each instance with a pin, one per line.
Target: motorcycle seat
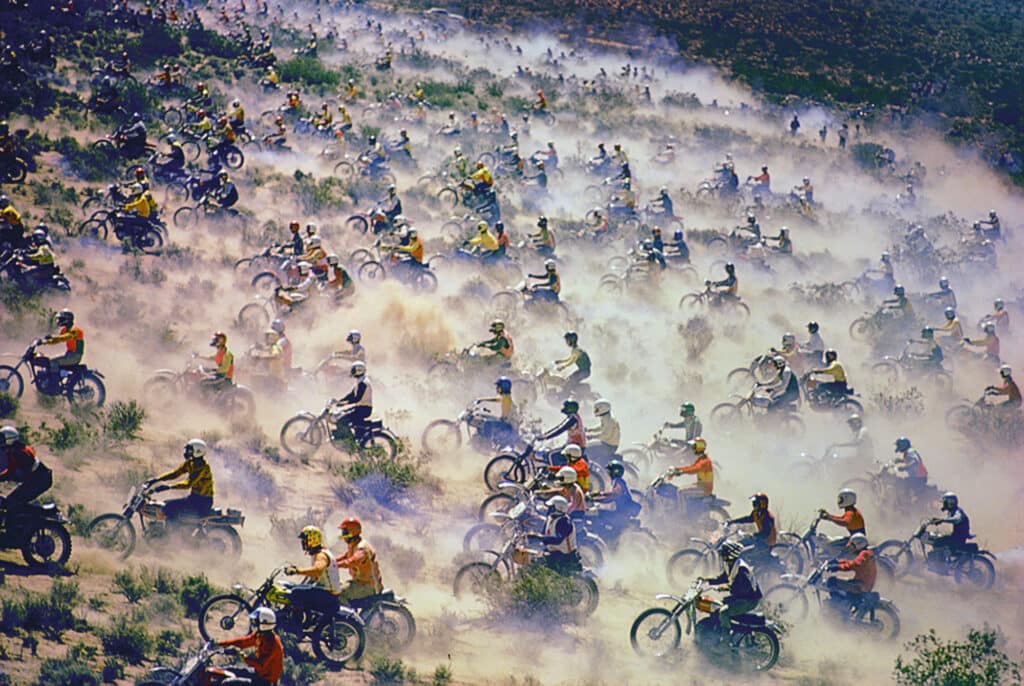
(372, 424)
(969, 548)
(749, 619)
(387, 595)
(869, 601)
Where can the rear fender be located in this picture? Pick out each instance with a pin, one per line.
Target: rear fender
(988, 554)
(351, 615)
(886, 603)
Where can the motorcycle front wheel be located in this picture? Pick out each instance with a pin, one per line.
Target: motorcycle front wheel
(48, 545)
(11, 381)
(655, 633)
(112, 532)
(339, 640)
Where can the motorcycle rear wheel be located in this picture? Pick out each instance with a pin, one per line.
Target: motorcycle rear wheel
(48, 545)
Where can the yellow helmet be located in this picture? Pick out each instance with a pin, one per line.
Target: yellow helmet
(482, 227)
(311, 538)
(699, 445)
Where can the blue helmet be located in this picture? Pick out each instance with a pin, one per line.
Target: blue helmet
(677, 236)
(902, 444)
(504, 384)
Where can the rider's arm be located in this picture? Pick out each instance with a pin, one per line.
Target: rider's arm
(174, 473)
(357, 556)
(562, 529)
(558, 430)
(59, 338)
(319, 565)
(241, 642)
(749, 519)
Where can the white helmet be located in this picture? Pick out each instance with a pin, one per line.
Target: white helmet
(858, 542)
(847, 498)
(262, 619)
(236, 102)
(573, 452)
(195, 449)
(9, 435)
(558, 504)
(354, 336)
(304, 268)
(566, 475)
(358, 369)
(602, 407)
(549, 265)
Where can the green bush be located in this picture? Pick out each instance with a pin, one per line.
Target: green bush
(442, 676)
(122, 421)
(390, 670)
(977, 661)
(864, 154)
(72, 433)
(48, 613)
(212, 43)
(131, 585)
(195, 591)
(113, 669)
(445, 95)
(536, 593)
(404, 562)
(8, 405)
(127, 639)
(309, 72)
(86, 163)
(157, 41)
(136, 97)
(79, 518)
(168, 642)
(66, 671)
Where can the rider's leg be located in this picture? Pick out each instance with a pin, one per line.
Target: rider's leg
(354, 590)
(38, 482)
(733, 606)
(194, 504)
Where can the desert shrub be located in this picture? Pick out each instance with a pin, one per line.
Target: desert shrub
(136, 97)
(51, 193)
(212, 43)
(908, 403)
(168, 642)
(285, 529)
(72, 433)
(79, 518)
(48, 613)
(8, 405)
(405, 562)
(122, 421)
(697, 336)
(300, 669)
(195, 591)
(326, 194)
(308, 71)
(113, 669)
(446, 95)
(976, 661)
(127, 639)
(685, 100)
(442, 676)
(379, 478)
(536, 593)
(864, 154)
(86, 163)
(131, 585)
(67, 671)
(701, 236)
(390, 670)
(157, 41)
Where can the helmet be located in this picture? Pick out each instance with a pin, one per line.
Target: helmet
(136, 117)
(858, 542)
(854, 420)
(136, 188)
(698, 444)
(392, 189)
(195, 449)
(504, 384)
(354, 336)
(358, 369)
(304, 268)
(140, 173)
(482, 227)
(807, 179)
(221, 121)
(458, 151)
(572, 452)
(831, 355)
(570, 406)
(950, 501)
(687, 410)
(549, 265)
(997, 303)
(351, 528)
(759, 501)
(989, 327)
(542, 221)
(277, 325)
(479, 165)
(219, 338)
(764, 167)
(551, 145)
(200, 86)
(4, 201)
(950, 313)
(663, 190)
(991, 214)
(279, 119)
(412, 233)
(751, 218)
(730, 268)
(311, 537)
(313, 242)
(566, 475)
(899, 290)
(885, 257)
(615, 469)
(223, 175)
(602, 407)
(65, 318)
(846, 498)
(372, 140)
(497, 326)
(39, 236)
(311, 230)
(499, 227)
(677, 235)
(9, 435)
(784, 232)
(730, 551)
(273, 335)
(902, 444)
(656, 230)
(812, 327)
(927, 332)
(943, 283)
(1005, 371)
(788, 339)
(514, 136)
(779, 361)
(332, 260)
(42, 229)
(558, 504)
(571, 337)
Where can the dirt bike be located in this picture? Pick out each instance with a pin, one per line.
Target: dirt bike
(13, 169)
(14, 270)
(893, 370)
(875, 325)
(303, 434)
(39, 531)
(884, 490)
(729, 415)
(702, 558)
(867, 613)
(813, 548)
(115, 145)
(752, 642)
(209, 208)
(82, 386)
(521, 467)
(417, 275)
(475, 578)
(167, 386)
(148, 239)
(662, 501)
(350, 168)
(657, 450)
(709, 298)
(335, 640)
(442, 436)
(819, 399)
(196, 670)
(507, 303)
(214, 530)
(968, 565)
(983, 417)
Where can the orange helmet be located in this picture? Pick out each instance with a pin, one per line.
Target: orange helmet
(759, 501)
(350, 528)
(140, 173)
(294, 227)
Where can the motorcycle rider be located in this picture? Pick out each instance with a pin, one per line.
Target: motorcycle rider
(133, 136)
(784, 390)
(815, 346)
(550, 283)
(727, 288)
(737, 578)
(945, 295)
(357, 404)
(952, 327)
(486, 241)
(266, 664)
(619, 496)
(604, 436)
(321, 591)
(199, 482)
(271, 355)
(500, 428)
(837, 387)
(865, 449)
(958, 537)
(12, 229)
(931, 356)
(784, 242)
(762, 182)
(578, 357)
(40, 262)
(701, 467)
(990, 228)
(863, 566)
(571, 426)
(566, 484)
(767, 533)
(284, 343)
(691, 423)
(989, 343)
(357, 351)
(851, 518)
(898, 306)
(73, 337)
(910, 461)
(18, 463)
(225, 193)
(223, 375)
(544, 240)
(1008, 388)
(391, 204)
(559, 538)
(361, 561)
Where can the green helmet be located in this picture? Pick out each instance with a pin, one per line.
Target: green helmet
(687, 410)
(570, 406)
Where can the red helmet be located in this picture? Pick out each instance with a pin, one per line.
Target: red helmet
(200, 86)
(759, 501)
(201, 113)
(222, 121)
(350, 528)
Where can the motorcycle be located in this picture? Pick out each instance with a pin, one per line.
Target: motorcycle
(13, 170)
(813, 548)
(443, 435)
(82, 386)
(166, 385)
(702, 558)
(335, 640)
(818, 399)
(197, 670)
(967, 565)
(662, 501)
(303, 434)
(14, 270)
(752, 643)
(40, 532)
(214, 530)
(868, 613)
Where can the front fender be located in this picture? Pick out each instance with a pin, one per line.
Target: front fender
(669, 596)
(305, 414)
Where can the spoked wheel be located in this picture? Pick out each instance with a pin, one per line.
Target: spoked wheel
(960, 417)
(787, 602)
(358, 222)
(448, 197)
(253, 317)
(185, 217)
(585, 596)
(442, 437)
(882, 622)
(757, 648)
(112, 532)
(655, 633)
(691, 302)
(378, 444)
(899, 554)
(344, 169)
(503, 468)
(222, 617)
(391, 625)
(505, 302)
(11, 381)
(496, 502)
(371, 271)
(476, 579)
(150, 242)
(886, 372)
(49, 544)
(301, 436)
(265, 283)
(233, 158)
(482, 536)
(726, 415)
(688, 563)
(86, 391)
(339, 640)
(976, 571)
(224, 542)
